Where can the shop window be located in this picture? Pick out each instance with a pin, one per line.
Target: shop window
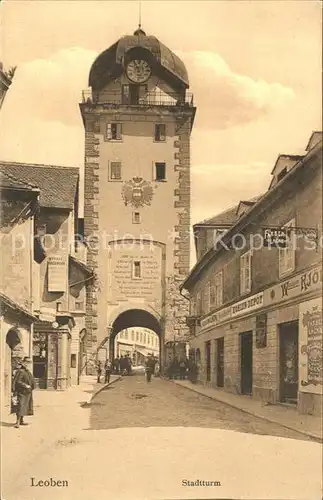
(115, 171)
(114, 132)
(245, 273)
(287, 255)
(160, 132)
(160, 171)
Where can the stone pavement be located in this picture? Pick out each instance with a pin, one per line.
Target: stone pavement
(285, 416)
(58, 415)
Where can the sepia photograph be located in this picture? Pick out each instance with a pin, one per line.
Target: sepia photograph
(161, 249)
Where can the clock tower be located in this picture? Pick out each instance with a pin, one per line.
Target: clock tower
(138, 116)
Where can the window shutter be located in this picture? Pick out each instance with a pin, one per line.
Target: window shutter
(109, 131)
(162, 132)
(242, 274)
(248, 278)
(119, 131)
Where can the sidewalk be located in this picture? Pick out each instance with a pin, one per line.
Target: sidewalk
(282, 415)
(58, 417)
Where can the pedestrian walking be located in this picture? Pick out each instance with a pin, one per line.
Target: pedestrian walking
(182, 369)
(157, 368)
(99, 371)
(23, 385)
(149, 367)
(128, 366)
(107, 371)
(116, 365)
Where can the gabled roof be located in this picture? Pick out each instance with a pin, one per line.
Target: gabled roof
(227, 217)
(314, 139)
(57, 185)
(285, 157)
(8, 181)
(250, 215)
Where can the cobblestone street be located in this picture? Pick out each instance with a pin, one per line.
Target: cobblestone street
(132, 402)
(139, 441)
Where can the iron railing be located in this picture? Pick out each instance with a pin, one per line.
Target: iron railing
(146, 99)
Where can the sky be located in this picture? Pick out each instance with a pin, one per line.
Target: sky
(254, 69)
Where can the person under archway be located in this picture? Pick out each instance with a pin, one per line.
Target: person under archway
(149, 367)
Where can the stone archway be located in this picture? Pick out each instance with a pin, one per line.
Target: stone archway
(136, 317)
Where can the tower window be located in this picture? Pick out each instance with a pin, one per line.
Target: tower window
(160, 171)
(136, 269)
(115, 171)
(114, 132)
(136, 219)
(160, 132)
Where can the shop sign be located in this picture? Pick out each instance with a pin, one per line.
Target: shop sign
(217, 317)
(47, 314)
(276, 237)
(57, 273)
(310, 347)
(248, 305)
(304, 282)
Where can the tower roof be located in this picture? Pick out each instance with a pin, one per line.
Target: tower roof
(109, 64)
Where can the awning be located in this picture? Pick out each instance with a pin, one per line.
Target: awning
(86, 269)
(143, 351)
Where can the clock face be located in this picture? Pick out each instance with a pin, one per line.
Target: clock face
(138, 71)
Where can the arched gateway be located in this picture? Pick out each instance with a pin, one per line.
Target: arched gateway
(135, 318)
(138, 118)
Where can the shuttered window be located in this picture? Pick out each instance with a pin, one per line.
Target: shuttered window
(160, 132)
(245, 273)
(114, 132)
(216, 290)
(115, 171)
(287, 255)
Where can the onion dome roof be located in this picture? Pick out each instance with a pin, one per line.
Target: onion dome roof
(110, 62)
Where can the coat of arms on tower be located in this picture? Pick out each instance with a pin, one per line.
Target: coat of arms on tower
(137, 192)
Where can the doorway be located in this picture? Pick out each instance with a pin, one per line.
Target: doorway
(208, 360)
(288, 341)
(220, 362)
(40, 360)
(246, 362)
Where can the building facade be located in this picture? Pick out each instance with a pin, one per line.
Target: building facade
(256, 310)
(138, 343)
(58, 273)
(5, 82)
(18, 209)
(138, 118)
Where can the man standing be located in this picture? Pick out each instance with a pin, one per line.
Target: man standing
(99, 371)
(107, 370)
(23, 385)
(150, 366)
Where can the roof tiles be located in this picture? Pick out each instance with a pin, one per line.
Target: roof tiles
(57, 185)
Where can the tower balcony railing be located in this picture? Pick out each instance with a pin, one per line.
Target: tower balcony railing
(147, 99)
